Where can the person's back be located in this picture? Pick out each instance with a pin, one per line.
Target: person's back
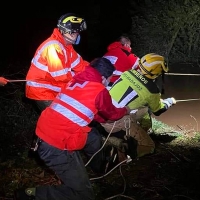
(137, 89)
(63, 130)
(120, 55)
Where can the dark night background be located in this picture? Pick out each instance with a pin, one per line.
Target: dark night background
(27, 26)
(170, 28)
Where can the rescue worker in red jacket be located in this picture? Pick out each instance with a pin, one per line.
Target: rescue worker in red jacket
(63, 129)
(3, 81)
(120, 55)
(55, 61)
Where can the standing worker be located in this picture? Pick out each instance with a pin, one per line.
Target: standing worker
(120, 55)
(55, 61)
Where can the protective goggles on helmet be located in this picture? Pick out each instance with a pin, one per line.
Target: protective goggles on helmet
(72, 24)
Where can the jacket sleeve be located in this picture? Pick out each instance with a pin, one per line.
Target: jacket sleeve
(56, 62)
(106, 110)
(156, 105)
(134, 60)
(79, 63)
(164, 106)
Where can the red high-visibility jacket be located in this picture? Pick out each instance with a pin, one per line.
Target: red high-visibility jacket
(53, 65)
(64, 124)
(122, 58)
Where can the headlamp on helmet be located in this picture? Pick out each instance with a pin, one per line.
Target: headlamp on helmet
(70, 23)
(153, 65)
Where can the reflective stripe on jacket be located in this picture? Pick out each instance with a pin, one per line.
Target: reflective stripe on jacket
(122, 58)
(53, 65)
(135, 90)
(65, 123)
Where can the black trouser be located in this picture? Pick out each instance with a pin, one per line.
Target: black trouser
(69, 167)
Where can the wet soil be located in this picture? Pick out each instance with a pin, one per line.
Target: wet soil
(171, 173)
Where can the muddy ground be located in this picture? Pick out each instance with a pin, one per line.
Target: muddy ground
(171, 173)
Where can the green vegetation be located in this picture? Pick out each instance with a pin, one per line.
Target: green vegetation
(170, 27)
(160, 129)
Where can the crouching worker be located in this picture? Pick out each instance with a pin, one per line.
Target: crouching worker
(137, 89)
(63, 131)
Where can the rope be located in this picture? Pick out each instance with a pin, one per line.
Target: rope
(102, 145)
(17, 80)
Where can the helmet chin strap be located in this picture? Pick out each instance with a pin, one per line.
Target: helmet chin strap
(76, 41)
(69, 40)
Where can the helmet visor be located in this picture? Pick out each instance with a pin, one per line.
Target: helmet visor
(78, 27)
(72, 24)
(83, 25)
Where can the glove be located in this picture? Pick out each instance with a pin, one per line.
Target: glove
(3, 81)
(169, 101)
(174, 100)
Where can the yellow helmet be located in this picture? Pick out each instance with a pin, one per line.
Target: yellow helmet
(153, 65)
